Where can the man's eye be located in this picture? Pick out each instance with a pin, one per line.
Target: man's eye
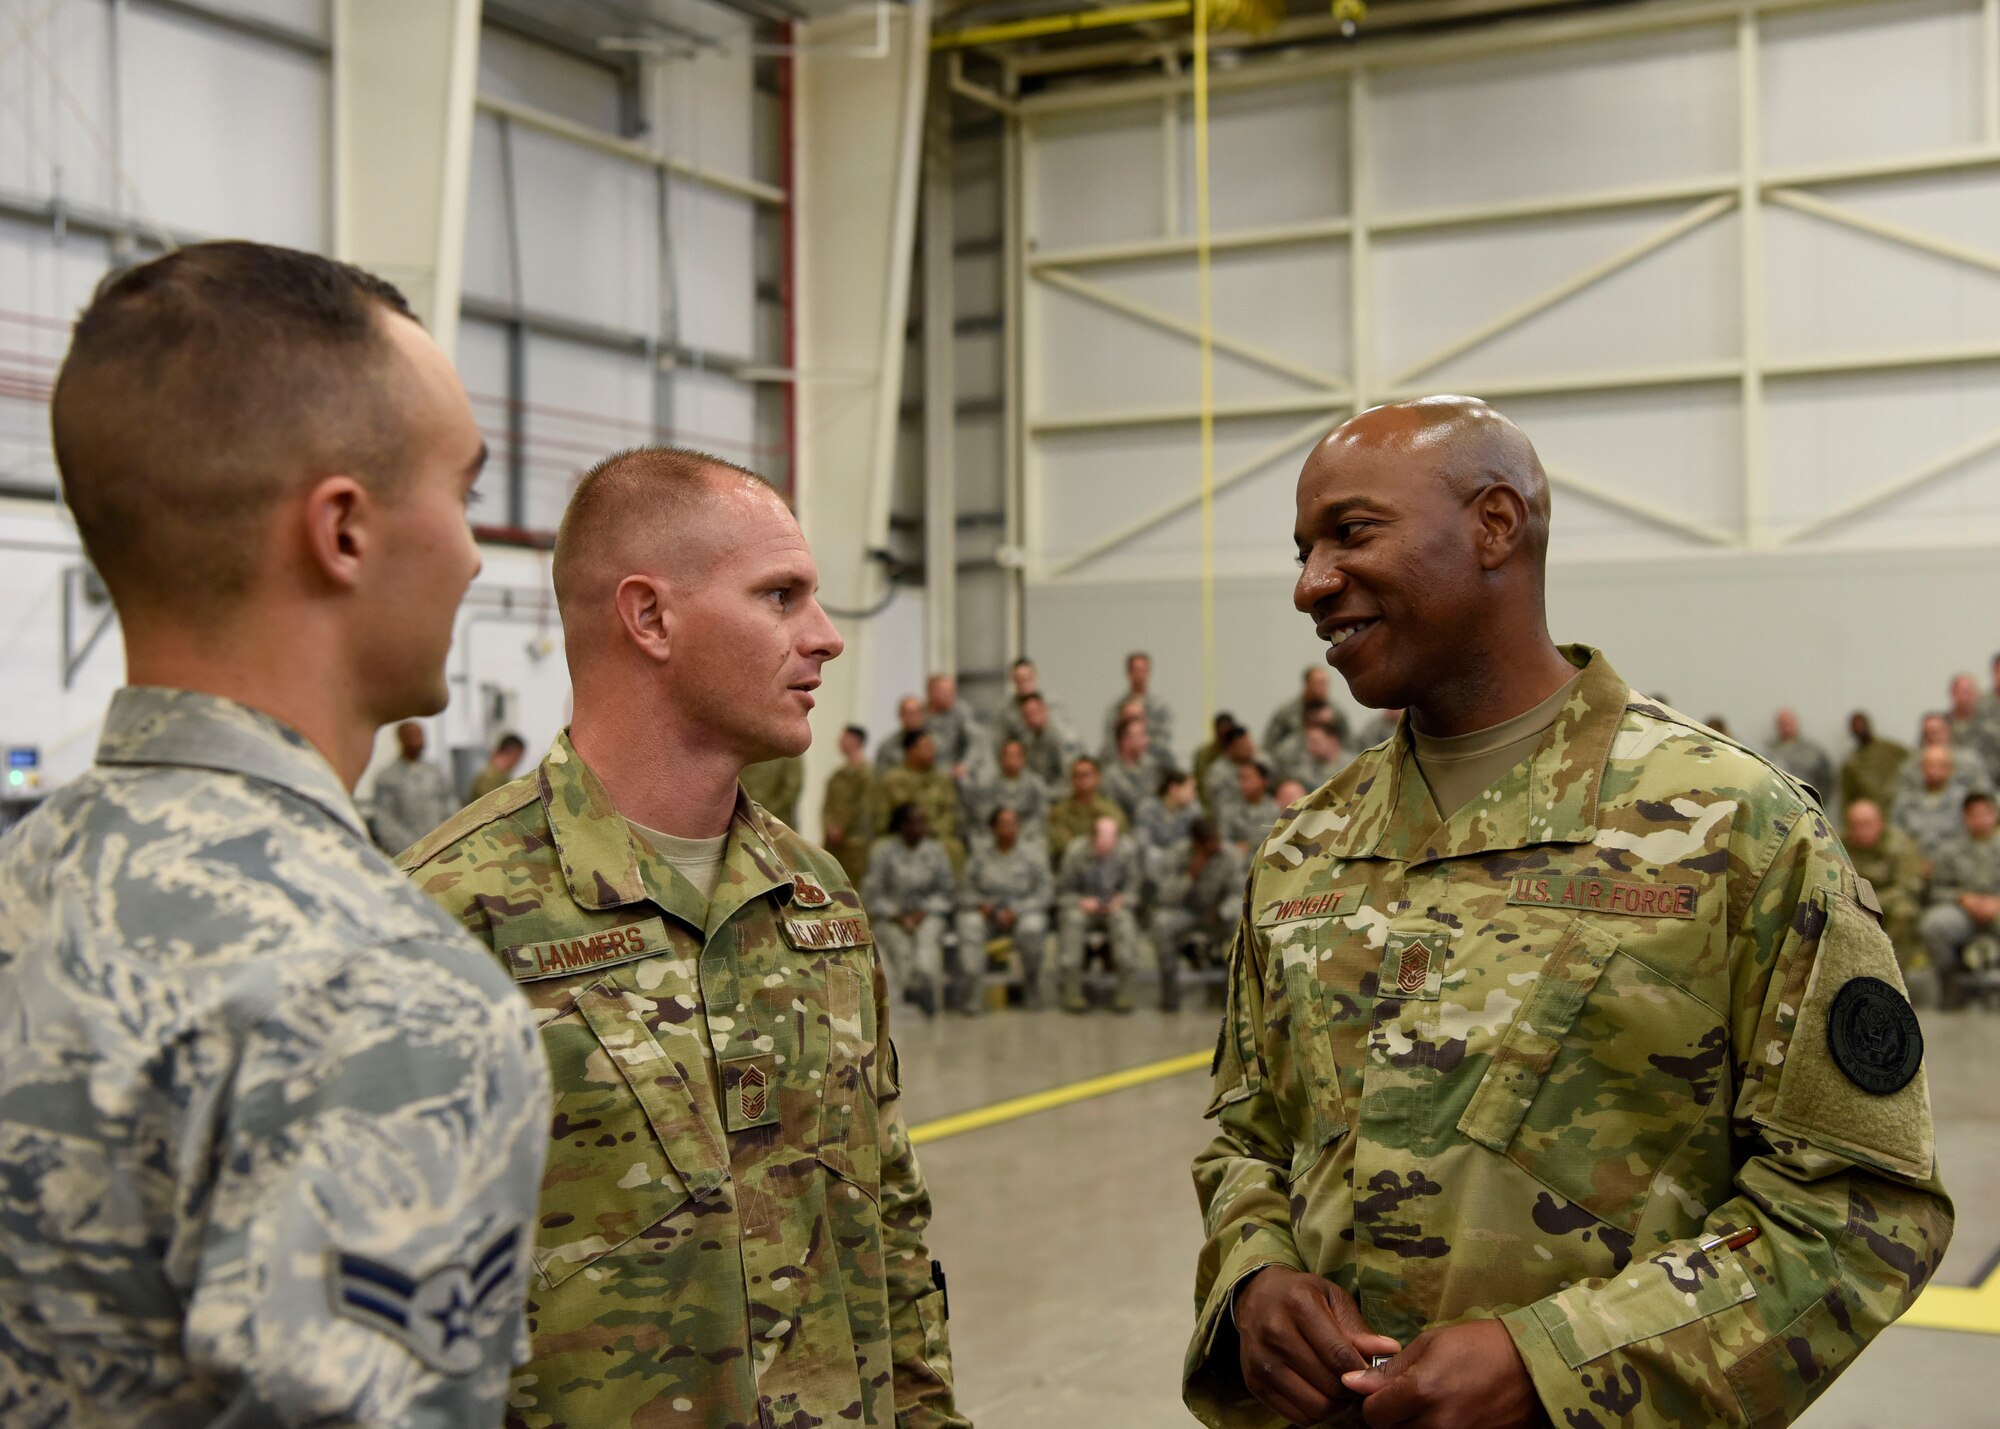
(1347, 530)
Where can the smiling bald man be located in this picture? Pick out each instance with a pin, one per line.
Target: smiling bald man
(1566, 1068)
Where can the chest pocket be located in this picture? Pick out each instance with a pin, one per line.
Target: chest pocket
(1310, 1096)
(630, 1143)
(859, 1074)
(1604, 1073)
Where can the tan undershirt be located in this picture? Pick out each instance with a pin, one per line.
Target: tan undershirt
(1461, 767)
(699, 861)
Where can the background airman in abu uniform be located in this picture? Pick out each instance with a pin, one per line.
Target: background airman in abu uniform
(732, 1225)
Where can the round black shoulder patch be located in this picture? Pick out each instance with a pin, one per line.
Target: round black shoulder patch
(1874, 1036)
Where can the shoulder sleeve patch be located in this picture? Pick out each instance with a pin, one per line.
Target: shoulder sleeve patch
(1851, 1078)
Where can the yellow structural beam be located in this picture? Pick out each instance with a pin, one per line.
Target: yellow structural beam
(1062, 24)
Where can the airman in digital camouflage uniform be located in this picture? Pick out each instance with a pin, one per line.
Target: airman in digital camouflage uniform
(1006, 893)
(732, 1226)
(911, 891)
(1565, 1060)
(271, 1124)
(1098, 886)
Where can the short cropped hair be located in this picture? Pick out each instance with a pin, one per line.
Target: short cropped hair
(860, 732)
(1977, 796)
(510, 741)
(653, 486)
(203, 388)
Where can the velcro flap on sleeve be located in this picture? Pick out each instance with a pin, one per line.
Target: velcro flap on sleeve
(1825, 1104)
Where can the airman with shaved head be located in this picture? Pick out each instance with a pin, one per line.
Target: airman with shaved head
(732, 1224)
(1562, 1038)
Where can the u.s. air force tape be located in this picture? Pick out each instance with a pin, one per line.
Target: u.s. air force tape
(1874, 1036)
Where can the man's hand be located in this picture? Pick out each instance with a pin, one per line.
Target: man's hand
(1003, 919)
(1297, 1335)
(1980, 907)
(1114, 903)
(835, 833)
(1466, 1376)
(1091, 906)
(911, 919)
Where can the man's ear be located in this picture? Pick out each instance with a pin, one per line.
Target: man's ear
(1502, 514)
(339, 519)
(646, 613)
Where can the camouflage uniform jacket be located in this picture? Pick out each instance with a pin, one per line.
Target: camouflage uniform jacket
(271, 1124)
(1243, 823)
(1130, 785)
(1161, 828)
(930, 790)
(1084, 875)
(732, 1224)
(1159, 721)
(410, 797)
(1209, 894)
(1931, 817)
(1966, 865)
(902, 879)
(960, 737)
(1071, 819)
(849, 807)
(1807, 763)
(1894, 868)
(1025, 794)
(1525, 1062)
(1872, 773)
(1017, 879)
(775, 785)
(1050, 754)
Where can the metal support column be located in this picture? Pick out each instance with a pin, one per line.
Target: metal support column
(405, 79)
(940, 391)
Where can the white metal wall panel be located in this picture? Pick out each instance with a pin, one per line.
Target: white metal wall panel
(583, 403)
(1568, 119)
(197, 155)
(1298, 130)
(713, 253)
(56, 114)
(715, 412)
(1099, 177)
(518, 69)
(489, 256)
(482, 366)
(43, 285)
(589, 233)
(1870, 81)
(306, 17)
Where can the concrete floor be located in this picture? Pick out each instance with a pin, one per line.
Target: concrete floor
(1070, 1235)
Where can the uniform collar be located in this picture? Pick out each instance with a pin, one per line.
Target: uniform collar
(607, 866)
(152, 725)
(1552, 797)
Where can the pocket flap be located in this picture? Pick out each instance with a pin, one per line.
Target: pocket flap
(1529, 1046)
(662, 1087)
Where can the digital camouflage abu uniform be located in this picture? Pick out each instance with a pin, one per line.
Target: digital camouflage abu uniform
(1018, 880)
(732, 1224)
(1530, 1063)
(271, 1124)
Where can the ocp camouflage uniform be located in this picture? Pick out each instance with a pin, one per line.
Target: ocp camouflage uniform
(271, 1124)
(904, 880)
(849, 806)
(1872, 772)
(1018, 880)
(931, 790)
(1187, 904)
(1531, 1062)
(1071, 819)
(1083, 874)
(775, 785)
(732, 1223)
(1894, 868)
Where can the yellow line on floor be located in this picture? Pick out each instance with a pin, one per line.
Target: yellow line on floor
(1971, 1310)
(1017, 1107)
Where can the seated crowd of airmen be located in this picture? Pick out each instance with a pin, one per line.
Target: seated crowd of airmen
(1919, 824)
(979, 843)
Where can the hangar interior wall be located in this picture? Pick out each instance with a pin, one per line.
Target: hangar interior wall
(1733, 268)
(611, 295)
